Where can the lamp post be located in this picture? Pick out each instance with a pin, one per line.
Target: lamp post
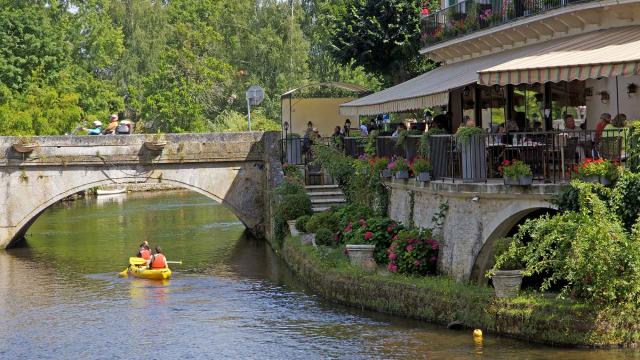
(286, 128)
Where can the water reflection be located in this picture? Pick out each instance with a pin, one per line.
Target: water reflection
(232, 297)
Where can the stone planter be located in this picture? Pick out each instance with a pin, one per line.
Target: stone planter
(597, 180)
(292, 228)
(511, 181)
(423, 176)
(360, 254)
(604, 181)
(402, 174)
(307, 239)
(24, 148)
(507, 283)
(385, 174)
(155, 145)
(525, 180)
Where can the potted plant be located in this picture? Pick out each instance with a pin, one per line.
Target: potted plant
(506, 274)
(421, 169)
(359, 250)
(516, 172)
(400, 168)
(24, 144)
(470, 143)
(292, 207)
(155, 142)
(379, 165)
(597, 171)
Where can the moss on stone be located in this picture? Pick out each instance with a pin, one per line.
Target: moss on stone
(438, 299)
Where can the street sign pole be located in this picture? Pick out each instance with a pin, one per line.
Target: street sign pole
(254, 95)
(249, 112)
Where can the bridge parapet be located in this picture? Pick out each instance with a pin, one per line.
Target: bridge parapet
(130, 149)
(236, 169)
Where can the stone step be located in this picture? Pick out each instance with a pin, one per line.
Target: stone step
(331, 200)
(322, 188)
(320, 208)
(327, 195)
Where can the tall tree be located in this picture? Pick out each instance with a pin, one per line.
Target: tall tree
(382, 36)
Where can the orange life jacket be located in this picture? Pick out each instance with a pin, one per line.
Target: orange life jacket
(145, 254)
(158, 262)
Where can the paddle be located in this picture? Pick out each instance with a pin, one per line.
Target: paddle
(174, 262)
(124, 273)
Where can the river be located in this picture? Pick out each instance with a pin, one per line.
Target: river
(232, 298)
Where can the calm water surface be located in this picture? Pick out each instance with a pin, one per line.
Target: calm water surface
(60, 297)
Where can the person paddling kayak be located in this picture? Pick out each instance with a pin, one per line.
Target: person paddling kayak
(158, 260)
(144, 251)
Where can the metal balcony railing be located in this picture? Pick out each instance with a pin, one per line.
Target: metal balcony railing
(552, 156)
(469, 16)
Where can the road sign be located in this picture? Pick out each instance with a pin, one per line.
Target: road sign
(255, 95)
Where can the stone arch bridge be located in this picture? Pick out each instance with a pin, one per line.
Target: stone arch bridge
(235, 169)
(470, 217)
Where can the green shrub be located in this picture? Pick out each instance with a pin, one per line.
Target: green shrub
(465, 133)
(334, 162)
(413, 252)
(424, 146)
(324, 237)
(324, 219)
(289, 188)
(508, 254)
(349, 213)
(293, 206)
(378, 231)
(625, 199)
(301, 223)
(588, 252)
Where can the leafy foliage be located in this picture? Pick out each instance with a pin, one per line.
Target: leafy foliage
(378, 231)
(413, 252)
(301, 223)
(597, 261)
(324, 237)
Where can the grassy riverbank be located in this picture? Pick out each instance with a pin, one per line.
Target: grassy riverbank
(441, 300)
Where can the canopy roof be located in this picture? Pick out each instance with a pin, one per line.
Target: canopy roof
(605, 53)
(340, 85)
(600, 53)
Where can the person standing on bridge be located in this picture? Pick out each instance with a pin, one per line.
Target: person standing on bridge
(96, 130)
(158, 261)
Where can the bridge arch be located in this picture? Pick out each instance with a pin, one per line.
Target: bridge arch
(500, 227)
(234, 169)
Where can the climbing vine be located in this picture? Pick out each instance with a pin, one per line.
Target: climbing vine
(412, 204)
(439, 217)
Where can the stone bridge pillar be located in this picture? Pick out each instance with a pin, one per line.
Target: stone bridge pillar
(235, 169)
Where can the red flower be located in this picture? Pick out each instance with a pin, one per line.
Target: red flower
(368, 235)
(392, 267)
(389, 229)
(393, 256)
(409, 248)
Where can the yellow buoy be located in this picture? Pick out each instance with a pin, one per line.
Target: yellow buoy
(477, 333)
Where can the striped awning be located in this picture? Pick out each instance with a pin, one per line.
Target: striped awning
(429, 89)
(603, 53)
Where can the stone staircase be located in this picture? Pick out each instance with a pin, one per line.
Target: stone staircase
(325, 196)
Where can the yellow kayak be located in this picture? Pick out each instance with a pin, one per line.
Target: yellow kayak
(138, 268)
(154, 274)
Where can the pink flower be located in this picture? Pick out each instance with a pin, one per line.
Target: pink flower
(348, 228)
(434, 245)
(392, 267)
(362, 222)
(393, 256)
(389, 229)
(409, 248)
(368, 235)
(417, 263)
